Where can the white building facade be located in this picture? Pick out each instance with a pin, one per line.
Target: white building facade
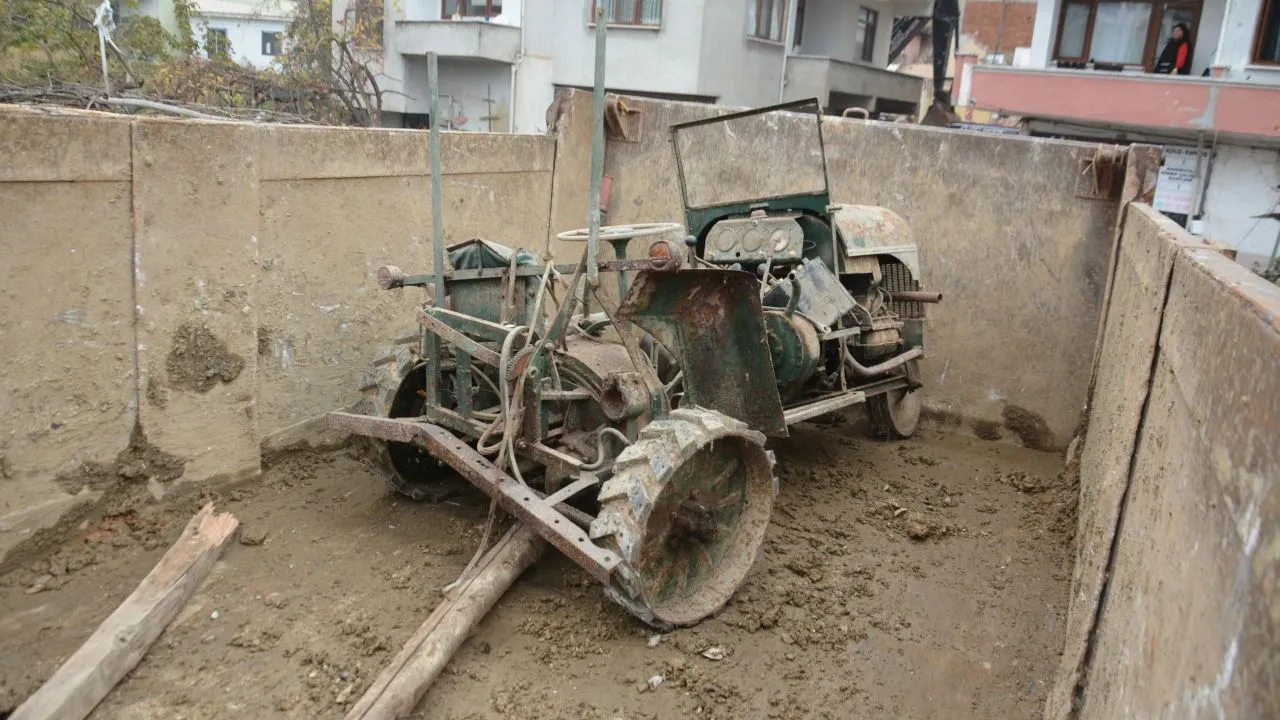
(250, 31)
(500, 60)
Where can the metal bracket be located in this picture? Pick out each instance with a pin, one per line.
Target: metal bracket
(622, 122)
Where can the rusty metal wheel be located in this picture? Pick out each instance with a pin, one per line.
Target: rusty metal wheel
(687, 509)
(896, 414)
(391, 389)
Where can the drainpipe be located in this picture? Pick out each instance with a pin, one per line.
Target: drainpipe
(1196, 184)
(787, 34)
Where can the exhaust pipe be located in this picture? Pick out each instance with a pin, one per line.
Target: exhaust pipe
(869, 372)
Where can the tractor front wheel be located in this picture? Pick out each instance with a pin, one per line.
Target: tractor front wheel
(896, 414)
(687, 509)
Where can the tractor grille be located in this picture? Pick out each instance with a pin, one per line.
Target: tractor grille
(896, 277)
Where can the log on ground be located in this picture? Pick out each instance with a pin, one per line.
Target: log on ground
(124, 637)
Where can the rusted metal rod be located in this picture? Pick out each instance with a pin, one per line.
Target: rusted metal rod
(862, 371)
(920, 296)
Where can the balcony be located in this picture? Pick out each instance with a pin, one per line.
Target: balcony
(466, 39)
(1186, 105)
(851, 83)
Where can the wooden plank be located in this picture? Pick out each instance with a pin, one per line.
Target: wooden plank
(401, 685)
(123, 638)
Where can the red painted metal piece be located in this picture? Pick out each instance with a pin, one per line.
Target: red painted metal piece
(522, 501)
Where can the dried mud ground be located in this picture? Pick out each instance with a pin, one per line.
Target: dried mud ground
(917, 579)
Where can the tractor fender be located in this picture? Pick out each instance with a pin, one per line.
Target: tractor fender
(870, 230)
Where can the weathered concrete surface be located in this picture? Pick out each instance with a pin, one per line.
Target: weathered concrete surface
(571, 186)
(1140, 283)
(1190, 622)
(66, 319)
(195, 191)
(1004, 228)
(364, 201)
(255, 305)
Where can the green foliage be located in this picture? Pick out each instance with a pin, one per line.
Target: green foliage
(43, 40)
(185, 41)
(327, 73)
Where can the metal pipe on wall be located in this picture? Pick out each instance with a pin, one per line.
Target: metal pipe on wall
(787, 34)
(597, 152)
(437, 202)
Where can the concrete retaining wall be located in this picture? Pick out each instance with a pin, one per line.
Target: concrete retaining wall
(1007, 228)
(212, 284)
(1174, 611)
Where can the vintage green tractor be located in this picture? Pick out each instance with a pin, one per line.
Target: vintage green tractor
(633, 438)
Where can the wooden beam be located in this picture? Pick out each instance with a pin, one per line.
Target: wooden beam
(123, 638)
(401, 685)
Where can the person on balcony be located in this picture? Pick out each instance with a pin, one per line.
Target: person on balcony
(1175, 59)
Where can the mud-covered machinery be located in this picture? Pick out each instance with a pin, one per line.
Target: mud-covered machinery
(620, 407)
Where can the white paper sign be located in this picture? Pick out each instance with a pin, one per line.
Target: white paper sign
(1177, 179)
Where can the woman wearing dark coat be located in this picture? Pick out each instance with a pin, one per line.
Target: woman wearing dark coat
(1175, 59)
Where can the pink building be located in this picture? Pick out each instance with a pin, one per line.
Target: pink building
(1088, 74)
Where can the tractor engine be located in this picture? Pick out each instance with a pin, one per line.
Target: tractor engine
(823, 327)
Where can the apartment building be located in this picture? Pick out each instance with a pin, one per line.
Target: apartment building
(1087, 72)
(250, 32)
(500, 60)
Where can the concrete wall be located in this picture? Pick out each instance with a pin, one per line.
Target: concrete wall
(1004, 232)
(68, 394)
(213, 282)
(1174, 611)
(1235, 44)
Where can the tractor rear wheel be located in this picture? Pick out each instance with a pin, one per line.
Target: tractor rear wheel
(686, 509)
(896, 414)
(391, 389)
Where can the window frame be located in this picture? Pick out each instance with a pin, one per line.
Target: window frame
(1155, 17)
(277, 43)
(223, 49)
(868, 53)
(754, 32)
(462, 9)
(638, 15)
(1264, 16)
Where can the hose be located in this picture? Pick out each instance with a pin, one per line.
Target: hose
(600, 456)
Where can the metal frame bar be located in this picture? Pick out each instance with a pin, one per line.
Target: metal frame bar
(523, 502)
(790, 106)
(444, 331)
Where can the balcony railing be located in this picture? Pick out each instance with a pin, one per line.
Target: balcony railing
(490, 41)
(815, 76)
(1135, 100)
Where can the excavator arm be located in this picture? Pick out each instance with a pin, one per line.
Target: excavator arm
(946, 30)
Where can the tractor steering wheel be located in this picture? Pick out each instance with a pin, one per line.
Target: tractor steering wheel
(621, 232)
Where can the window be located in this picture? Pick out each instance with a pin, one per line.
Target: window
(271, 44)
(1266, 49)
(629, 12)
(865, 41)
(216, 44)
(471, 8)
(1121, 32)
(765, 19)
